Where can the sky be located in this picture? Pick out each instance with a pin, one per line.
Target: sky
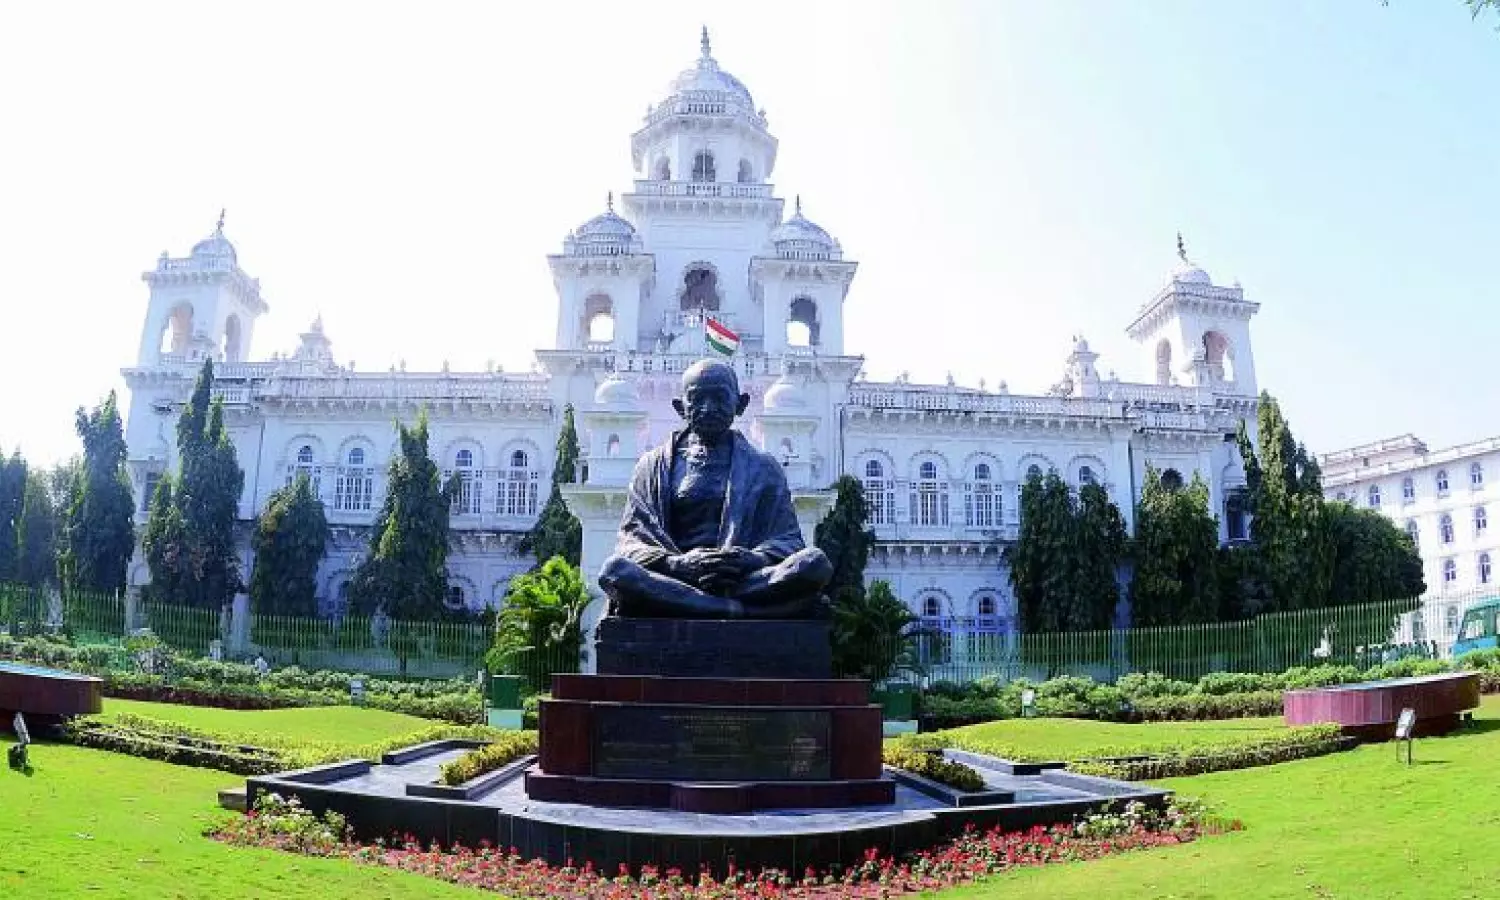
(1006, 173)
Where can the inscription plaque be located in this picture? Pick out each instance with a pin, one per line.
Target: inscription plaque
(711, 743)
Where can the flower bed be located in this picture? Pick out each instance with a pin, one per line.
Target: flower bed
(1299, 743)
(930, 765)
(503, 751)
(284, 825)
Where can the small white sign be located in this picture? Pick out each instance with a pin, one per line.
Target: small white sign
(216, 651)
(1405, 724)
(357, 690)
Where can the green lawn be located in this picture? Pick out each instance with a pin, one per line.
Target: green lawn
(350, 725)
(1079, 738)
(1352, 825)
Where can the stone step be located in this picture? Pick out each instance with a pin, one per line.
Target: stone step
(746, 691)
(233, 798)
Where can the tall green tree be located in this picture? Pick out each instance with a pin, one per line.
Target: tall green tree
(1176, 555)
(1373, 559)
(845, 538)
(874, 634)
(36, 536)
(1043, 555)
(1099, 546)
(539, 631)
(405, 573)
(1294, 554)
(98, 534)
(291, 539)
(12, 498)
(557, 531)
(191, 553)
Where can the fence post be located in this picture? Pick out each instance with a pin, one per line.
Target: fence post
(239, 626)
(132, 609)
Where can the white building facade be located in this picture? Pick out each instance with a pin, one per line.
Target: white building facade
(1446, 500)
(701, 233)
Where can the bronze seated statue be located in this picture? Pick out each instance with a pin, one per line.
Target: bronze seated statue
(709, 531)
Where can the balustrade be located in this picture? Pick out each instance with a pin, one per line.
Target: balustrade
(732, 190)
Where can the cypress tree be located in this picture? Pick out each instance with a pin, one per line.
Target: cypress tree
(36, 551)
(165, 544)
(291, 537)
(12, 499)
(846, 539)
(557, 531)
(405, 573)
(1098, 546)
(1043, 557)
(98, 535)
(1176, 555)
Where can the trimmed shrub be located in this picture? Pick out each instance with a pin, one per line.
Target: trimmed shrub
(502, 752)
(932, 766)
(1297, 743)
(1199, 707)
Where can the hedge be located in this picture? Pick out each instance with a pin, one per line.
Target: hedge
(931, 765)
(501, 752)
(1298, 743)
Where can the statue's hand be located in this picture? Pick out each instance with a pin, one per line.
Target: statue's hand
(739, 562)
(693, 567)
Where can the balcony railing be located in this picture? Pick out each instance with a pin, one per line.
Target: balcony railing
(732, 190)
(939, 399)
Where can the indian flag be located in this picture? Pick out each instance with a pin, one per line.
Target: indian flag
(720, 337)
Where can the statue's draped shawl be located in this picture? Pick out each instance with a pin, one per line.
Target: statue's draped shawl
(758, 513)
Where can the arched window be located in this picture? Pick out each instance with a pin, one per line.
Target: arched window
(1481, 520)
(232, 347)
(1033, 471)
(1485, 570)
(663, 169)
(932, 607)
(305, 466)
(880, 494)
(148, 490)
(455, 598)
(177, 330)
(1450, 571)
(703, 166)
(305, 455)
(519, 489)
(802, 323)
(1413, 532)
(1164, 361)
(1218, 356)
(1341, 496)
(1171, 479)
(612, 446)
(746, 174)
(1085, 475)
(981, 502)
(466, 500)
(929, 502)
(700, 290)
(1445, 528)
(1442, 481)
(599, 319)
(1374, 494)
(1476, 475)
(1408, 490)
(354, 487)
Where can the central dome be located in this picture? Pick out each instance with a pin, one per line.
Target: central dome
(707, 77)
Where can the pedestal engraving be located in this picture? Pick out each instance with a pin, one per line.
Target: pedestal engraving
(712, 743)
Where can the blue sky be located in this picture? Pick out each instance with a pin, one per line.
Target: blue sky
(1006, 173)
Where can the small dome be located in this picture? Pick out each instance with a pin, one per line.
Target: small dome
(216, 245)
(1187, 271)
(802, 238)
(1081, 345)
(784, 394)
(606, 234)
(617, 393)
(707, 76)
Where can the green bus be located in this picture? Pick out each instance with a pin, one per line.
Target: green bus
(1480, 628)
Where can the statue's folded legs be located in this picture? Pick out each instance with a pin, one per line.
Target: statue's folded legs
(787, 590)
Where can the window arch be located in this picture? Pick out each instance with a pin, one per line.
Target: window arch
(746, 174)
(1445, 528)
(1171, 479)
(305, 455)
(455, 598)
(1219, 356)
(1442, 481)
(1374, 495)
(663, 169)
(1408, 490)
(1486, 571)
(1033, 471)
(1413, 532)
(354, 485)
(466, 499)
(518, 488)
(932, 607)
(306, 464)
(599, 319)
(986, 606)
(1341, 496)
(880, 493)
(233, 346)
(177, 330)
(1450, 571)
(703, 166)
(1476, 475)
(802, 323)
(981, 499)
(1481, 520)
(612, 446)
(700, 289)
(1164, 361)
(1085, 475)
(929, 498)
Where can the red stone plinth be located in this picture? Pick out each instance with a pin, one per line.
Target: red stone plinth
(1369, 710)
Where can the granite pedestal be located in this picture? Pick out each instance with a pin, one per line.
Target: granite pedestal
(711, 716)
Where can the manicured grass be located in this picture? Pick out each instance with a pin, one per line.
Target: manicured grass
(350, 725)
(87, 823)
(1081, 738)
(1351, 825)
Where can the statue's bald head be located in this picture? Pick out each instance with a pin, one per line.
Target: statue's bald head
(711, 369)
(711, 398)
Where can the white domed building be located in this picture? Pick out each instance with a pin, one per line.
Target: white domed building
(700, 253)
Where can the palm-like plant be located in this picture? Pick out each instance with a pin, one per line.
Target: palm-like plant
(873, 635)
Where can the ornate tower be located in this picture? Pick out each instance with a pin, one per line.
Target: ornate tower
(203, 305)
(602, 277)
(1197, 332)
